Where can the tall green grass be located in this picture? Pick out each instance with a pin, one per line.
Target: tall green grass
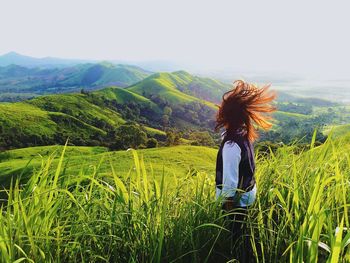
(301, 213)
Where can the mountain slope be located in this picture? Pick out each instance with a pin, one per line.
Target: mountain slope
(24, 124)
(77, 105)
(121, 95)
(205, 88)
(102, 74)
(86, 119)
(175, 88)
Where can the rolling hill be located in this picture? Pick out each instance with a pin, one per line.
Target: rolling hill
(123, 96)
(24, 124)
(86, 119)
(163, 100)
(180, 87)
(158, 102)
(76, 105)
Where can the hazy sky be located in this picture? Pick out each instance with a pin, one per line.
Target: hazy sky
(310, 37)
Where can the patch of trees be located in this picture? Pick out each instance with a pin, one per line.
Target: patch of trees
(167, 112)
(173, 137)
(12, 137)
(15, 97)
(295, 108)
(202, 138)
(292, 130)
(127, 136)
(265, 148)
(131, 111)
(4, 156)
(195, 113)
(161, 102)
(130, 135)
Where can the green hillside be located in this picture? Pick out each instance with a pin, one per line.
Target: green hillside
(86, 119)
(102, 74)
(205, 88)
(91, 118)
(124, 96)
(77, 105)
(161, 102)
(23, 124)
(174, 87)
(26, 118)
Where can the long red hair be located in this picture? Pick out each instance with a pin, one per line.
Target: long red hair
(243, 106)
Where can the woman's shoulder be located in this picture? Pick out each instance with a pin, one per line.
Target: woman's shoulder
(231, 146)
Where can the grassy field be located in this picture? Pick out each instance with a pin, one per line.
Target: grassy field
(121, 210)
(173, 161)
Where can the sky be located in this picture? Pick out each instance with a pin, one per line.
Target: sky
(299, 37)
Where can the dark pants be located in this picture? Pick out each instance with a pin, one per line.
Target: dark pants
(240, 244)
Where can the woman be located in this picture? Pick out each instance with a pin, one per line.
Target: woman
(242, 107)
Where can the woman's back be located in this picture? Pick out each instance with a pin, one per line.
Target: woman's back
(236, 152)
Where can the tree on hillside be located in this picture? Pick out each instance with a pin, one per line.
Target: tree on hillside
(172, 137)
(201, 138)
(167, 111)
(83, 91)
(152, 143)
(128, 136)
(165, 120)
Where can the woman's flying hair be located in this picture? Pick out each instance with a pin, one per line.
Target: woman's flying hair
(246, 104)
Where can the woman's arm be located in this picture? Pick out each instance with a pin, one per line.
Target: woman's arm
(231, 157)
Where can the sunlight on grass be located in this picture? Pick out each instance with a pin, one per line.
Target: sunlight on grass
(301, 213)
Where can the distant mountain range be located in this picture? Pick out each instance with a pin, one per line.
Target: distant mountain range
(13, 58)
(27, 61)
(19, 81)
